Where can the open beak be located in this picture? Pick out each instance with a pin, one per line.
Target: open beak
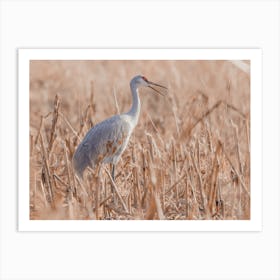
(157, 85)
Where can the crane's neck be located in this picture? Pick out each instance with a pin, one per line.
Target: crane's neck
(136, 105)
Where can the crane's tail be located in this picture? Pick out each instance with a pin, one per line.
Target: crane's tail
(80, 162)
(78, 170)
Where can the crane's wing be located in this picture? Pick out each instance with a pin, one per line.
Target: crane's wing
(105, 142)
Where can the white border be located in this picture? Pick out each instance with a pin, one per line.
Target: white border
(25, 55)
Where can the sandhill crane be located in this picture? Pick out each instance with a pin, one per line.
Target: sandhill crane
(106, 141)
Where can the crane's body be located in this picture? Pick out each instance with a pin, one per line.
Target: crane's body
(114, 132)
(107, 140)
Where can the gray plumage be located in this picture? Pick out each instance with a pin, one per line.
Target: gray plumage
(106, 141)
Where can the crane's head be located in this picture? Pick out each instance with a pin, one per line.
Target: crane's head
(141, 81)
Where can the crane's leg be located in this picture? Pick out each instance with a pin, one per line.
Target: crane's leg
(113, 172)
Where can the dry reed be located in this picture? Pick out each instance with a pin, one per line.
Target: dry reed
(188, 158)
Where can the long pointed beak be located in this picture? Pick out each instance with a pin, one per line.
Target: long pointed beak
(154, 84)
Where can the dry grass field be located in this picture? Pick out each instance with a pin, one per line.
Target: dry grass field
(188, 157)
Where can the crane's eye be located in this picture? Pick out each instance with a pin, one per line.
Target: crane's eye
(145, 79)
